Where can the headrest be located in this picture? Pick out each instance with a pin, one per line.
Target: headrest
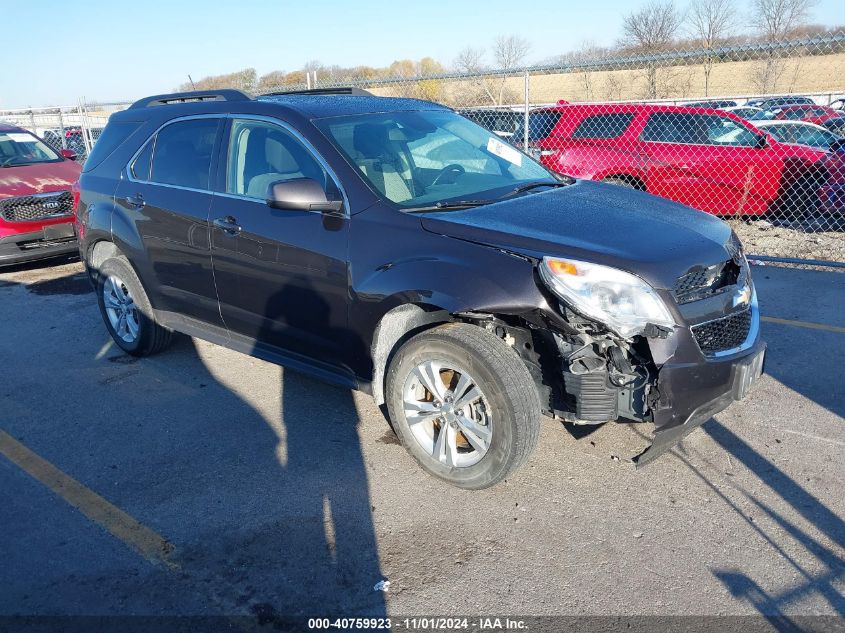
(370, 140)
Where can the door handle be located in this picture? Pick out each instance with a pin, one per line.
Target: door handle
(135, 201)
(228, 225)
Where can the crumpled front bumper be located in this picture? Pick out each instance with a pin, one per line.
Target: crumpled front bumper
(692, 387)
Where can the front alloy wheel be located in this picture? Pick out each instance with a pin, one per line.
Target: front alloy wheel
(463, 404)
(447, 413)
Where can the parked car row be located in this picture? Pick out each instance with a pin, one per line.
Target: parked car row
(708, 159)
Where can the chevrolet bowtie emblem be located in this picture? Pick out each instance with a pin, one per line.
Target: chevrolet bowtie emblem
(742, 296)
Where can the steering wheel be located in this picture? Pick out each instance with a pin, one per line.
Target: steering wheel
(454, 169)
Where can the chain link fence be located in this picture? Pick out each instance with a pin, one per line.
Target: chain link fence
(751, 132)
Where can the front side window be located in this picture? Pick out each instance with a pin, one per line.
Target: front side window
(182, 153)
(262, 153)
(23, 148)
(696, 129)
(604, 125)
(423, 157)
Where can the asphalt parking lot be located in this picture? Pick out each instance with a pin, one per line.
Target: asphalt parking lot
(202, 481)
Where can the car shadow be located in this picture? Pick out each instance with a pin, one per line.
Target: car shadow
(267, 506)
(774, 605)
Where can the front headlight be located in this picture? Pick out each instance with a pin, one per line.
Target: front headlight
(623, 302)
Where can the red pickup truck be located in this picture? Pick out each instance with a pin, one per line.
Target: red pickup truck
(707, 159)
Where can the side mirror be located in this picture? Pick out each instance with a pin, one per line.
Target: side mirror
(762, 142)
(837, 146)
(68, 153)
(301, 194)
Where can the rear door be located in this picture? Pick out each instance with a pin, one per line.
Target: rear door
(281, 275)
(166, 193)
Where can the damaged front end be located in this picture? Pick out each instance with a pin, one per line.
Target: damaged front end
(675, 367)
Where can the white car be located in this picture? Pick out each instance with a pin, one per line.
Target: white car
(743, 112)
(799, 132)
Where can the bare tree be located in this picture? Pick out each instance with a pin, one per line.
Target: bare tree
(774, 20)
(245, 80)
(582, 59)
(710, 22)
(471, 61)
(510, 52)
(651, 30)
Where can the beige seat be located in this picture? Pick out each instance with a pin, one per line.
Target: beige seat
(378, 163)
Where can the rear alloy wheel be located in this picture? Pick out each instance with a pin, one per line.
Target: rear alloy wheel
(127, 311)
(463, 404)
(121, 310)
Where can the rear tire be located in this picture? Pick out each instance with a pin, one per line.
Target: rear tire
(463, 404)
(620, 182)
(127, 311)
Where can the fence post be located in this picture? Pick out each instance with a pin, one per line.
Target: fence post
(84, 128)
(62, 130)
(525, 126)
(32, 121)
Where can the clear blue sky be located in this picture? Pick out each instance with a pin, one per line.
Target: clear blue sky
(56, 51)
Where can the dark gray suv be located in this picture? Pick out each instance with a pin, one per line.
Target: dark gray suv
(393, 246)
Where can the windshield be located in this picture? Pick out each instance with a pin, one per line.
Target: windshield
(22, 148)
(421, 158)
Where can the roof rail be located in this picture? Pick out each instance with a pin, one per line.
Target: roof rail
(342, 90)
(189, 97)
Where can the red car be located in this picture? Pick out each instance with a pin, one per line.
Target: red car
(707, 159)
(36, 198)
(810, 113)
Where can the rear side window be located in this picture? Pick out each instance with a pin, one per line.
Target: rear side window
(182, 153)
(109, 140)
(540, 125)
(604, 125)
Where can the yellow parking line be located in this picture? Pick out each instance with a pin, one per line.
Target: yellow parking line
(805, 324)
(134, 534)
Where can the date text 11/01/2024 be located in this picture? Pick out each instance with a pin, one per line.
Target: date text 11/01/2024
(419, 624)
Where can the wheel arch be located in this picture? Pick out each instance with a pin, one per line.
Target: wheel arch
(395, 327)
(634, 180)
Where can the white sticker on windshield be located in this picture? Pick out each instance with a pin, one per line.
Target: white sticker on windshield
(503, 150)
(19, 137)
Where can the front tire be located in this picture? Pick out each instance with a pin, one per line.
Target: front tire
(463, 404)
(127, 311)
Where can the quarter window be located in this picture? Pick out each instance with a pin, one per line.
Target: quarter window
(141, 166)
(182, 154)
(604, 125)
(261, 153)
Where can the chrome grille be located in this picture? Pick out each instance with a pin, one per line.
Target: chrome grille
(723, 334)
(37, 207)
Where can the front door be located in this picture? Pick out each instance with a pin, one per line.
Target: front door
(708, 162)
(281, 275)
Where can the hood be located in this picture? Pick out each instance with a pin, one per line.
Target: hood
(26, 180)
(649, 236)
